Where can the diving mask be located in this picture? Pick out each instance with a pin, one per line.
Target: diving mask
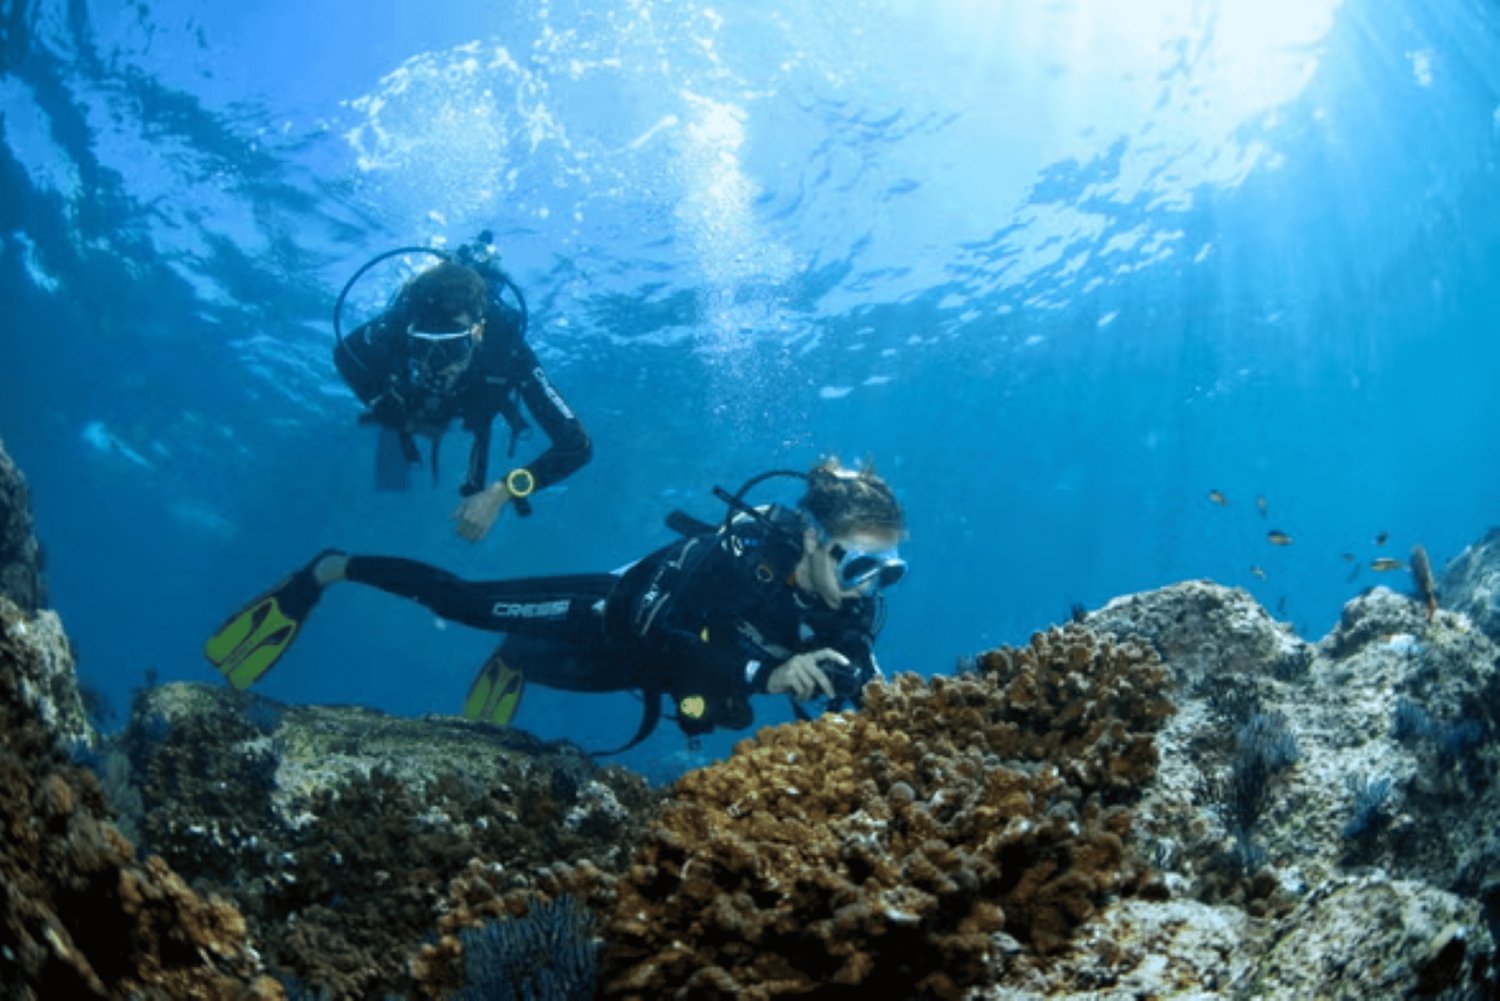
(867, 570)
(438, 357)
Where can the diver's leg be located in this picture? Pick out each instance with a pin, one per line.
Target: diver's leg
(546, 606)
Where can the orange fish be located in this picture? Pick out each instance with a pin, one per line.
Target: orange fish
(1278, 538)
(1385, 563)
(1217, 497)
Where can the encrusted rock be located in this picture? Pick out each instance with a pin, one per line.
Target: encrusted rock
(1199, 627)
(20, 554)
(47, 681)
(1370, 936)
(1470, 584)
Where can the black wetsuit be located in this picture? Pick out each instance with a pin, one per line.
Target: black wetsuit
(373, 362)
(708, 616)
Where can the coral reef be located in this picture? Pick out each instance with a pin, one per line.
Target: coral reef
(81, 917)
(1311, 820)
(341, 832)
(20, 553)
(892, 848)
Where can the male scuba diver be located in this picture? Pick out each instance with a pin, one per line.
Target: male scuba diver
(773, 599)
(449, 347)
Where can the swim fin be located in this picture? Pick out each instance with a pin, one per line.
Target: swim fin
(253, 639)
(496, 692)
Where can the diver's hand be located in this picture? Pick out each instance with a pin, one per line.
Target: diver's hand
(801, 675)
(478, 512)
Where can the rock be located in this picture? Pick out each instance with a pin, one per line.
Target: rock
(1198, 626)
(345, 834)
(1371, 936)
(80, 915)
(20, 554)
(46, 679)
(1470, 583)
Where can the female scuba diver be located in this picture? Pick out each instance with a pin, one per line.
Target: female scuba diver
(772, 599)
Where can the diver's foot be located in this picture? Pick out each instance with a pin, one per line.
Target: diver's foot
(328, 566)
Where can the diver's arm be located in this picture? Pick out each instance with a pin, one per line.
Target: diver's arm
(570, 448)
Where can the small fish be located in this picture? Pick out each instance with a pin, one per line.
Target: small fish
(1281, 605)
(1348, 557)
(1380, 538)
(1385, 564)
(1278, 538)
(1262, 506)
(1217, 497)
(1258, 573)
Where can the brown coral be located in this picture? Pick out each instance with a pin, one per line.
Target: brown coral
(887, 847)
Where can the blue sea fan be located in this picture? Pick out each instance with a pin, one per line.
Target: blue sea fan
(1410, 721)
(548, 955)
(1370, 798)
(1264, 746)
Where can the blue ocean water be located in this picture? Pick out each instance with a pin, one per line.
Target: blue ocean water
(1058, 268)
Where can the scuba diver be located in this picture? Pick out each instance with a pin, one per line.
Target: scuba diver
(450, 347)
(772, 599)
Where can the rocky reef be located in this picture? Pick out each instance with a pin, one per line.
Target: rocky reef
(1173, 795)
(82, 915)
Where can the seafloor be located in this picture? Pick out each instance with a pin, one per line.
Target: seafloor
(1170, 796)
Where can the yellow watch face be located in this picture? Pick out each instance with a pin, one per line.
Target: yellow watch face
(520, 482)
(692, 706)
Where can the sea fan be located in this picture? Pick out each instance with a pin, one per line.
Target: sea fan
(548, 955)
(1421, 571)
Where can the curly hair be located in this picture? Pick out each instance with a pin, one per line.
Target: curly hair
(441, 293)
(848, 501)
